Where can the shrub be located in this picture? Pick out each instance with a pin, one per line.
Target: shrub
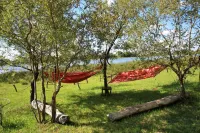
(15, 77)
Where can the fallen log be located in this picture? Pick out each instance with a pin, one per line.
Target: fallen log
(128, 111)
(60, 117)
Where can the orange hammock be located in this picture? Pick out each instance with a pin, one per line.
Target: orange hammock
(137, 74)
(73, 77)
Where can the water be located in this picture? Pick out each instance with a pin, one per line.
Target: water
(118, 60)
(10, 68)
(124, 60)
(112, 61)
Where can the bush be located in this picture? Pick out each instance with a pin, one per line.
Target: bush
(23, 82)
(15, 77)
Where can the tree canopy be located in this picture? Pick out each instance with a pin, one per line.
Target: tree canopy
(171, 35)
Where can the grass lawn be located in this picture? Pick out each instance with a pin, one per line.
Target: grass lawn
(88, 109)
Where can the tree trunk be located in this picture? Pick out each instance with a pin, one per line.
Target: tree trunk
(53, 103)
(60, 117)
(33, 86)
(199, 69)
(181, 81)
(128, 111)
(105, 73)
(43, 87)
(53, 99)
(32, 91)
(44, 97)
(105, 76)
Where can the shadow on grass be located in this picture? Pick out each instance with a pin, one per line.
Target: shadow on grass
(97, 107)
(8, 125)
(181, 117)
(176, 86)
(91, 110)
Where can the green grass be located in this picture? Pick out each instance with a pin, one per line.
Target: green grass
(88, 109)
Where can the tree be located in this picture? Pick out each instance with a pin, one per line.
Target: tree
(46, 31)
(16, 29)
(68, 38)
(170, 36)
(108, 25)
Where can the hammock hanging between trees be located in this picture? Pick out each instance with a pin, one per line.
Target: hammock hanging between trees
(137, 74)
(74, 77)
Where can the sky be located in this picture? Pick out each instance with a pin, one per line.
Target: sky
(110, 2)
(7, 52)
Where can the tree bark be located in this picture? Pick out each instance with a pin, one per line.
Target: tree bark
(181, 81)
(105, 76)
(33, 86)
(128, 111)
(199, 69)
(44, 96)
(60, 117)
(53, 103)
(105, 73)
(15, 87)
(53, 99)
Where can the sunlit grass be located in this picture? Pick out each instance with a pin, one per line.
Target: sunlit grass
(88, 109)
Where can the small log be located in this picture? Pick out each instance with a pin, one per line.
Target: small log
(15, 88)
(79, 86)
(128, 111)
(60, 117)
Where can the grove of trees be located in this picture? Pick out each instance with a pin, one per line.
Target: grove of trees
(60, 34)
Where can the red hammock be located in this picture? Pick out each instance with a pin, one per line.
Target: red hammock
(137, 74)
(73, 77)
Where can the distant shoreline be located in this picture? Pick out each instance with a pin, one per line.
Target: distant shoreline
(113, 61)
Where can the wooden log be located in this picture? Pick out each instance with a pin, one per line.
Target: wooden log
(15, 87)
(79, 86)
(128, 111)
(60, 117)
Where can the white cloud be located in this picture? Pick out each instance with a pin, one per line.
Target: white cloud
(7, 52)
(153, 27)
(166, 32)
(109, 2)
(161, 40)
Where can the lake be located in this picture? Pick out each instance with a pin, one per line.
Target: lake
(118, 60)
(112, 61)
(9, 68)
